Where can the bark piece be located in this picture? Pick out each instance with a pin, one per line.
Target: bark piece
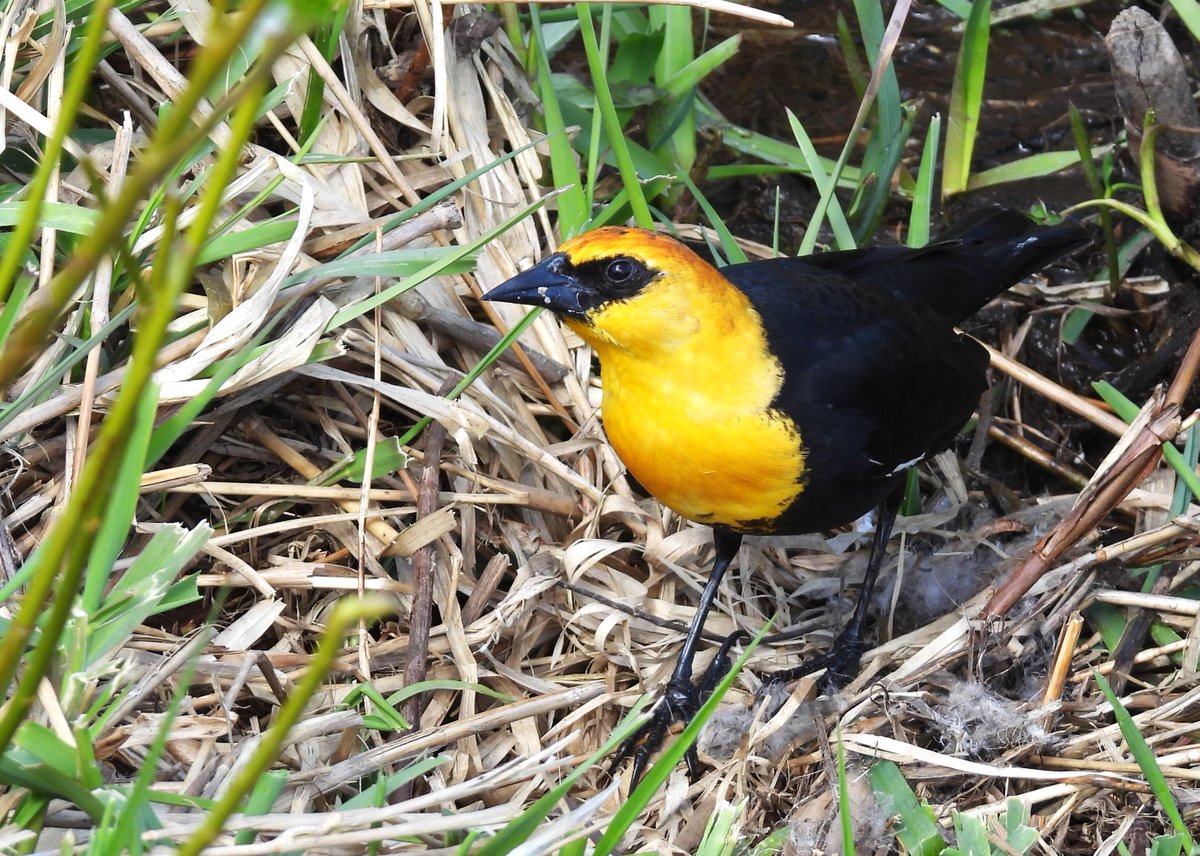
(1149, 74)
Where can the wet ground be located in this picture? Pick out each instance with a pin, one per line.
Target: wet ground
(1036, 69)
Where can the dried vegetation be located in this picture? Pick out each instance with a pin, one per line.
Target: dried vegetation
(532, 592)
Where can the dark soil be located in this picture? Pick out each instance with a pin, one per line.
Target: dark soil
(1036, 69)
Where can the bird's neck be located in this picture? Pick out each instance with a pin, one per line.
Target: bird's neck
(709, 354)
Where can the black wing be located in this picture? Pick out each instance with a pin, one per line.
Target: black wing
(954, 276)
(874, 384)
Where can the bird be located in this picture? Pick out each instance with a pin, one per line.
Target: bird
(787, 395)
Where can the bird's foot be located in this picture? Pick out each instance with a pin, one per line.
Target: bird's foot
(679, 703)
(840, 665)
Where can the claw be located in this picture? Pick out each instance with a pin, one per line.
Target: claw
(840, 665)
(679, 703)
(719, 666)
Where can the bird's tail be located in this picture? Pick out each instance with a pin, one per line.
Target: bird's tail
(980, 257)
(987, 254)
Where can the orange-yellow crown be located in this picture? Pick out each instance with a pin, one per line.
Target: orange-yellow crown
(657, 250)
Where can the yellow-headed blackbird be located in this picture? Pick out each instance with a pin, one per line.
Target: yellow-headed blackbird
(788, 395)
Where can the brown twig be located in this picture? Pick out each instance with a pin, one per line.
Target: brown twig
(255, 429)
(1056, 681)
(1134, 458)
(418, 64)
(489, 580)
(421, 617)
(1039, 456)
(1056, 392)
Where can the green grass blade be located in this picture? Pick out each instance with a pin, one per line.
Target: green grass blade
(266, 789)
(881, 67)
(1095, 182)
(1109, 622)
(767, 149)
(476, 370)
(1167, 845)
(962, 8)
(887, 99)
(879, 165)
(68, 109)
(845, 809)
(966, 99)
(386, 455)
(370, 799)
(1188, 12)
(733, 252)
(915, 827)
(22, 769)
(920, 216)
(1191, 457)
(661, 769)
(1024, 169)
(972, 837)
(672, 120)
(123, 499)
(520, 829)
(774, 843)
(612, 123)
(245, 240)
(885, 144)
(1146, 760)
(572, 206)
(61, 216)
(149, 586)
(444, 262)
(1018, 834)
(828, 204)
(326, 41)
(687, 77)
(856, 70)
(721, 836)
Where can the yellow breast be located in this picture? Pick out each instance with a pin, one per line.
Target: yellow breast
(688, 386)
(737, 467)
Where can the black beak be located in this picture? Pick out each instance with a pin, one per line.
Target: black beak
(549, 283)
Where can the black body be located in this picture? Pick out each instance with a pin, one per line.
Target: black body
(875, 376)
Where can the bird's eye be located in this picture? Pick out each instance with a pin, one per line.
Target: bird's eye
(619, 270)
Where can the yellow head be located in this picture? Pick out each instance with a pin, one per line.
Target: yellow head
(630, 290)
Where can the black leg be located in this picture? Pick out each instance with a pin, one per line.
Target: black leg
(680, 698)
(720, 663)
(727, 544)
(841, 663)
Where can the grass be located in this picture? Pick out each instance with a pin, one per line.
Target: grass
(251, 405)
